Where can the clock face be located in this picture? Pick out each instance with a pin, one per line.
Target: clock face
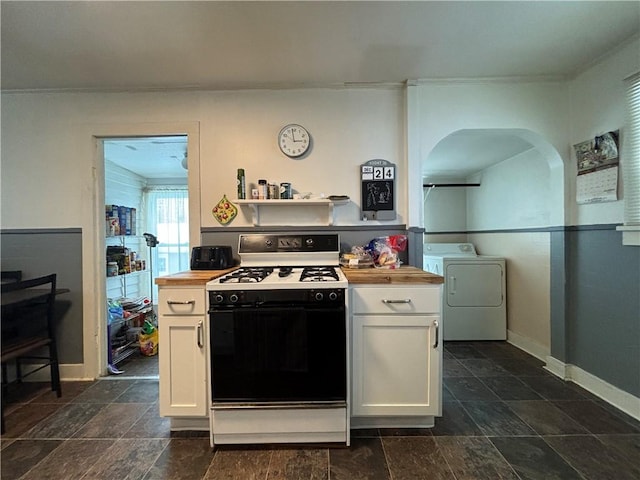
(294, 140)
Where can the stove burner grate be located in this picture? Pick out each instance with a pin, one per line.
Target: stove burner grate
(247, 275)
(319, 274)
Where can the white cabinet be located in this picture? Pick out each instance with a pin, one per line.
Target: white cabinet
(183, 352)
(396, 355)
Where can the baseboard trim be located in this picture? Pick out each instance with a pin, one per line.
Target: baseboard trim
(620, 399)
(74, 372)
(558, 368)
(532, 348)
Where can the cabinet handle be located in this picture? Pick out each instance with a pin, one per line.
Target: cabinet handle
(185, 302)
(406, 300)
(200, 336)
(437, 325)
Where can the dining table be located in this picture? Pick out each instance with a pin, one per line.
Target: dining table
(20, 298)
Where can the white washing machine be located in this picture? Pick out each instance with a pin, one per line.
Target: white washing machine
(475, 294)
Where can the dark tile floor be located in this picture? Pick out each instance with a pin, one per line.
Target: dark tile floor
(138, 365)
(504, 418)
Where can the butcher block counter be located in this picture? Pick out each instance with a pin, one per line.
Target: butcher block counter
(191, 277)
(402, 275)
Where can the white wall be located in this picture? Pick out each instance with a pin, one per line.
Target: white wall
(49, 136)
(515, 193)
(528, 276)
(348, 127)
(598, 105)
(445, 209)
(539, 111)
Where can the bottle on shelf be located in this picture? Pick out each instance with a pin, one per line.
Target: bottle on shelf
(262, 189)
(242, 192)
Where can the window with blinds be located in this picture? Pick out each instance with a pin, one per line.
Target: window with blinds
(630, 160)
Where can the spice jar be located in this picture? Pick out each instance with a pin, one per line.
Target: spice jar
(112, 269)
(285, 191)
(262, 189)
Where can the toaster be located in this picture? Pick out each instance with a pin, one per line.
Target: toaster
(212, 257)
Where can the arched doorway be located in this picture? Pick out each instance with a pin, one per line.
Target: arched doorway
(516, 199)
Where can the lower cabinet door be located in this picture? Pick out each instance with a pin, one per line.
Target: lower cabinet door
(396, 365)
(182, 366)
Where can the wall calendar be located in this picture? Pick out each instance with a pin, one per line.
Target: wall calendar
(598, 162)
(378, 189)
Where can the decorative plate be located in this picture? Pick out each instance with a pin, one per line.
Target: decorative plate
(224, 211)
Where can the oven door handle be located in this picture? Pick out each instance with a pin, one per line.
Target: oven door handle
(199, 334)
(404, 300)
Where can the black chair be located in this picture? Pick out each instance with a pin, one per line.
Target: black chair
(28, 330)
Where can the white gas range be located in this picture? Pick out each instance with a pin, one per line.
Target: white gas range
(284, 262)
(279, 343)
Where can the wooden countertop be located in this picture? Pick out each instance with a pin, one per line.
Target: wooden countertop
(191, 277)
(402, 275)
(355, 276)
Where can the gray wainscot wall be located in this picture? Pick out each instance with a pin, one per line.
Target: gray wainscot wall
(40, 252)
(595, 304)
(349, 237)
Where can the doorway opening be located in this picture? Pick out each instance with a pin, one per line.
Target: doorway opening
(147, 236)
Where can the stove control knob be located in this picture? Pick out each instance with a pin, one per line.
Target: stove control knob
(218, 298)
(309, 241)
(233, 298)
(333, 296)
(319, 296)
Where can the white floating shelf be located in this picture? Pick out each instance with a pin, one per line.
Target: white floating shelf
(256, 205)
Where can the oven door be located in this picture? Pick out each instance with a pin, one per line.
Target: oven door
(283, 353)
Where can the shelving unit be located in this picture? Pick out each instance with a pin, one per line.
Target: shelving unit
(127, 285)
(118, 349)
(257, 205)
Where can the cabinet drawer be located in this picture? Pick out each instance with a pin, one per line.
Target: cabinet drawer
(181, 301)
(394, 300)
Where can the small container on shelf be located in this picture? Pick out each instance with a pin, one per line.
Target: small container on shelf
(242, 193)
(112, 269)
(262, 189)
(285, 191)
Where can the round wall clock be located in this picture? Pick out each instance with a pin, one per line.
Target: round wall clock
(294, 140)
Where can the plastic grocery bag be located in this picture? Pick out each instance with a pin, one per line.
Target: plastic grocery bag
(148, 339)
(384, 250)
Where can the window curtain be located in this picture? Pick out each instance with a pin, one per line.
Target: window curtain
(167, 217)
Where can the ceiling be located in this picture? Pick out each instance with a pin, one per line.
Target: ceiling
(150, 157)
(128, 45)
(465, 152)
